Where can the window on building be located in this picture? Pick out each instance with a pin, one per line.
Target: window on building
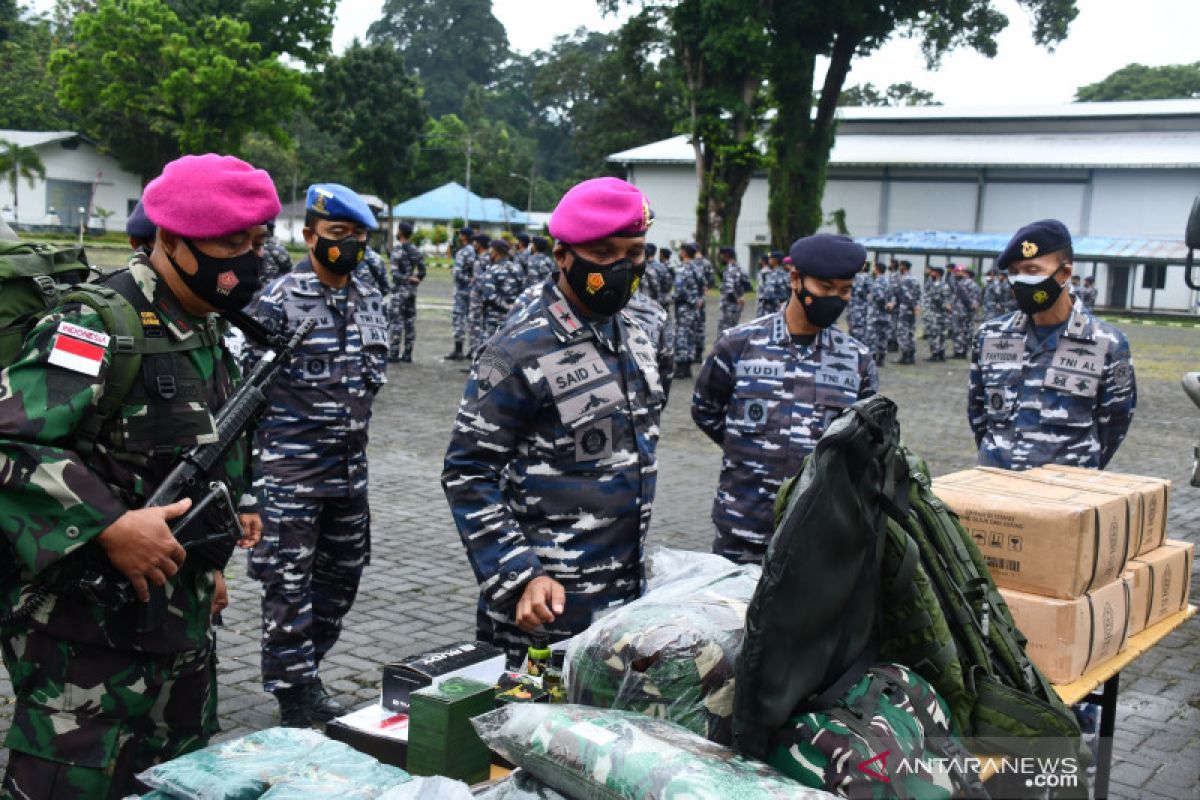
(1154, 276)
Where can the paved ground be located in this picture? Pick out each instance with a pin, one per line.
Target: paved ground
(418, 591)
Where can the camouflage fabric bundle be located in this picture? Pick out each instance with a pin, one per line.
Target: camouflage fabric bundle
(671, 653)
(620, 755)
(868, 744)
(274, 764)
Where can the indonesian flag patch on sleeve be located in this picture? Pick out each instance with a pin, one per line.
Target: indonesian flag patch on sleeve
(78, 349)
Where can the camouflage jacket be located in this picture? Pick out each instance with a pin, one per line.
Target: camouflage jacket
(964, 295)
(464, 267)
(275, 261)
(1088, 295)
(56, 501)
(937, 299)
(707, 270)
(656, 323)
(551, 466)
(537, 268)
(313, 437)
(774, 287)
(499, 288)
(407, 262)
(373, 272)
(1065, 399)
(657, 281)
(689, 285)
(766, 400)
(734, 283)
(883, 293)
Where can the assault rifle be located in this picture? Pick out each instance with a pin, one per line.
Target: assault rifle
(212, 503)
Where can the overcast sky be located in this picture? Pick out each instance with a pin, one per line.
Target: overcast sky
(1107, 35)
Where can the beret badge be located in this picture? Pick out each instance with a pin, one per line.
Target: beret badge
(1029, 249)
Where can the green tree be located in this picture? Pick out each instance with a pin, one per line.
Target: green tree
(1139, 82)
(149, 87)
(802, 133)
(898, 94)
(301, 29)
(18, 162)
(377, 114)
(448, 44)
(27, 91)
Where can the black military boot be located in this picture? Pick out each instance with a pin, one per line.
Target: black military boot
(407, 357)
(457, 355)
(322, 707)
(393, 358)
(906, 358)
(683, 370)
(880, 359)
(293, 707)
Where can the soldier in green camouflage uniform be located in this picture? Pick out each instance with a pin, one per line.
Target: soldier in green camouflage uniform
(96, 700)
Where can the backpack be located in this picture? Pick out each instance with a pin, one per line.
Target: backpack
(933, 604)
(869, 743)
(36, 277)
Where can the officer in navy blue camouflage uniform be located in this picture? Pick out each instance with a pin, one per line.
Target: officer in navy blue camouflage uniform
(859, 313)
(937, 307)
(540, 264)
(995, 295)
(461, 272)
(660, 278)
(481, 245)
(551, 468)
(522, 252)
(964, 299)
(408, 270)
(499, 287)
(708, 275)
(774, 285)
(879, 318)
(771, 387)
(1088, 293)
(372, 270)
(313, 441)
(734, 284)
(689, 298)
(907, 293)
(1050, 383)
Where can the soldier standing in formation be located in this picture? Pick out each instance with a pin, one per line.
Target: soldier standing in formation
(907, 299)
(480, 261)
(994, 292)
(774, 286)
(859, 312)
(276, 260)
(1049, 383)
(522, 253)
(689, 298)
(499, 287)
(654, 280)
(551, 467)
(313, 441)
(965, 301)
(97, 701)
(879, 319)
(708, 278)
(539, 265)
(770, 388)
(893, 279)
(1088, 293)
(734, 284)
(408, 270)
(938, 308)
(463, 269)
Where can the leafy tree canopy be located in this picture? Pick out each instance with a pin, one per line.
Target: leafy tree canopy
(1138, 82)
(898, 94)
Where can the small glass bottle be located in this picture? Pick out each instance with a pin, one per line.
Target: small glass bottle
(538, 658)
(553, 680)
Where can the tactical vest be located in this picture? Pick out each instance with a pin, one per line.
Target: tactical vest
(168, 406)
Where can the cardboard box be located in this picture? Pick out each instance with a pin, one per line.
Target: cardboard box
(1152, 496)
(1069, 637)
(475, 660)
(375, 731)
(1159, 583)
(1058, 541)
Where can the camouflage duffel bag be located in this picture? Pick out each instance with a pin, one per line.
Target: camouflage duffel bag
(889, 736)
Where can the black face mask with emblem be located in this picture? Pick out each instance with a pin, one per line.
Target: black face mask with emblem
(1035, 295)
(226, 284)
(821, 311)
(340, 257)
(604, 289)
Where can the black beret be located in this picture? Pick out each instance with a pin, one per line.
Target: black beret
(936, 268)
(540, 244)
(139, 226)
(1035, 239)
(690, 249)
(500, 245)
(467, 232)
(482, 238)
(523, 238)
(664, 251)
(1089, 279)
(827, 255)
(993, 271)
(728, 251)
(777, 254)
(970, 272)
(405, 228)
(651, 248)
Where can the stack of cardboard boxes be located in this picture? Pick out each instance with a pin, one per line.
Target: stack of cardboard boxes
(1079, 555)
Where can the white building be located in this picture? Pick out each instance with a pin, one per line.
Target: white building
(77, 176)
(1116, 170)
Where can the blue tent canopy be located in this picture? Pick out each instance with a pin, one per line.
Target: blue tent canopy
(453, 201)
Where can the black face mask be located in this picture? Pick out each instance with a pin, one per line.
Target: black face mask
(821, 311)
(604, 289)
(226, 284)
(340, 257)
(1036, 295)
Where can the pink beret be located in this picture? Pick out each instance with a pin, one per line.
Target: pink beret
(598, 208)
(202, 197)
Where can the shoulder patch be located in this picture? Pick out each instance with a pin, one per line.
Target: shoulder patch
(490, 371)
(78, 349)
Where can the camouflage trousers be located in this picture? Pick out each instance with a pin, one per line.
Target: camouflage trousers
(738, 549)
(459, 312)
(731, 313)
(685, 332)
(402, 319)
(906, 332)
(475, 321)
(88, 718)
(699, 322)
(880, 332)
(960, 332)
(310, 560)
(935, 334)
(858, 324)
